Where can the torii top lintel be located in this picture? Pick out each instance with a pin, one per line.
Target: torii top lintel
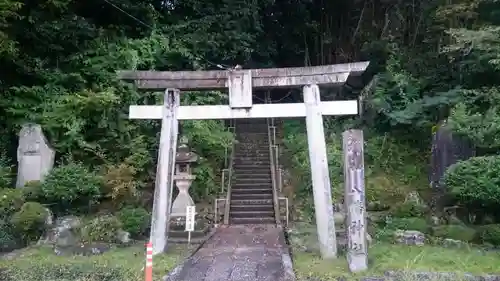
(258, 78)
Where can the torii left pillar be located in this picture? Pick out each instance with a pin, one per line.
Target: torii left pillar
(165, 171)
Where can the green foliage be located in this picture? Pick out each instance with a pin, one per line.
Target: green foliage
(7, 239)
(136, 221)
(68, 271)
(490, 234)
(101, 229)
(478, 120)
(70, 188)
(418, 224)
(11, 200)
(32, 190)
(5, 172)
(29, 222)
(475, 182)
(295, 142)
(119, 184)
(407, 210)
(454, 231)
(209, 139)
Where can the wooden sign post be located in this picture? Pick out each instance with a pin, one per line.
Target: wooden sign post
(190, 215)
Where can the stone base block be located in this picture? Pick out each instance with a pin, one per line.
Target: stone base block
(178, 235)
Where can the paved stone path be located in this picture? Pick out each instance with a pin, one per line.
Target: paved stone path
(239, 253)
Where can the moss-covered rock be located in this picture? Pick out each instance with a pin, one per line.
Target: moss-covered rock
(418, 224)
(490, 234)
(455, 232)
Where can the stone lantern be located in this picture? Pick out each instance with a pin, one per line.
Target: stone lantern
(183, 178)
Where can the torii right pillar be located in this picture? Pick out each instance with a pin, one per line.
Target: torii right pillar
(323, 205)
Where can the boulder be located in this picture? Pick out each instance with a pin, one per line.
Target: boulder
(64, 232)
(409, 237)
(123, 237)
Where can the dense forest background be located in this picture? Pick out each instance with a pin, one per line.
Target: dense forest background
(433, 60)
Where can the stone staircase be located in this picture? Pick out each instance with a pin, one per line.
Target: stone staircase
(251, 188)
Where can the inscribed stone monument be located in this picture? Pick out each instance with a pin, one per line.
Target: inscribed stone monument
(354, 181)
(35, 157)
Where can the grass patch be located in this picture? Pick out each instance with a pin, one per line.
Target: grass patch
(123, 264)
(383, 257)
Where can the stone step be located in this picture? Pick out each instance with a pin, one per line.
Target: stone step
(251, 191)
(262, 161)
(251, 214)
(252, 153)
(263, 202)
(238, 166)
(252, 175)
(252, 196)
(251, 135)
(262, 207)
(249, 183)
(265, 220)
(250, 158)
(251, 171)
(255, 180)
(251, 139)
(251, 145)
(254, 150)
(245, 186)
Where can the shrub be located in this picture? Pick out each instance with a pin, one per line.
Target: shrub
(101, 229)
(70, 188)
(7, 240)
(135, 220)
(490, 234)
(30, 221)
(120, 184)
(455, 231)
(5, 172)
(407, 210)
(418, 224)
(11, 200)
(475, 182)
(32, 191)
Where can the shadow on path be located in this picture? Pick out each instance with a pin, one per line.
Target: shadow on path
(239, 253)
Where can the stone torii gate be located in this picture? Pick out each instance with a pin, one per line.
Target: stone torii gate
(240, 83)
